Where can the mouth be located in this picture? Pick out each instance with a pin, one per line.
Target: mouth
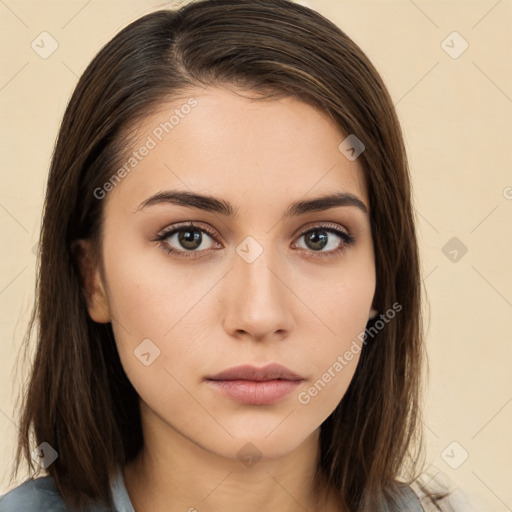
(256, 386)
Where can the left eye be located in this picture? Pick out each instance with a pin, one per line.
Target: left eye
(320, 237)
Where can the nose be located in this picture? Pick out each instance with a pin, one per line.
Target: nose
(258, 302)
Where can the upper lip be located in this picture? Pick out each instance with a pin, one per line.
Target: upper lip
(249, 372)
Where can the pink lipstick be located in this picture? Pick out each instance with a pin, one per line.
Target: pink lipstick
(251, 385)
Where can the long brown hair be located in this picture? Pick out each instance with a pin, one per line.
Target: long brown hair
(78, 397)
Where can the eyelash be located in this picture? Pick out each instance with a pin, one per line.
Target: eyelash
(347, 240)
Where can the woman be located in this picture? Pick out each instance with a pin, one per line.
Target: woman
(229, 290)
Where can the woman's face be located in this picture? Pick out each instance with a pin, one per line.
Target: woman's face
(245, 285)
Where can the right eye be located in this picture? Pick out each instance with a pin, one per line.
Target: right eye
(185, 240)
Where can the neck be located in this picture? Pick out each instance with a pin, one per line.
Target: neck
(171, 473)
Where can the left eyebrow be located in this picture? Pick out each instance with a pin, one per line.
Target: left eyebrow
(212, 204)
(325, 202)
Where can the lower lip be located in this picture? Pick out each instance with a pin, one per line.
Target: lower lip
(254, 392)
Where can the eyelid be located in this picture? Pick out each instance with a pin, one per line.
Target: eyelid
(344, 234)
(170, 230)
(322, 225)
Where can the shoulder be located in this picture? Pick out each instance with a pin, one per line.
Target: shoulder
(37, 495)
(450, 497)
(33, 495)
(409, 500)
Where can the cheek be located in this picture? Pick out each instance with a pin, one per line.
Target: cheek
(341, 314)
(341, 300)
(347, 306)
(333, 357)
(160, 316)
(149, 295)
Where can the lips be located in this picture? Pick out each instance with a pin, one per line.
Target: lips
(255, 386)
(252, 373)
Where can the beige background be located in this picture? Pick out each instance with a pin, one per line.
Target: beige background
(456, 114)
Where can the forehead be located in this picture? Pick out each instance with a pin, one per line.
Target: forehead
(221, 142)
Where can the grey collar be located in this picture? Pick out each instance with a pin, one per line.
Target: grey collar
(120, 498)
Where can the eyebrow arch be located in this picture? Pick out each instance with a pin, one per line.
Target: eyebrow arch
(212, 204)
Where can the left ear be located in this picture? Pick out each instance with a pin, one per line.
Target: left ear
(373, 314)
(91, 282)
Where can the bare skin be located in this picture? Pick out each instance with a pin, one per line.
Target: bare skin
(297, 304)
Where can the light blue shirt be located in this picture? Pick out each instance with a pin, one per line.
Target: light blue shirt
(40, 494)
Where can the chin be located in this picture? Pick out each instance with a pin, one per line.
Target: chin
(255, 446)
